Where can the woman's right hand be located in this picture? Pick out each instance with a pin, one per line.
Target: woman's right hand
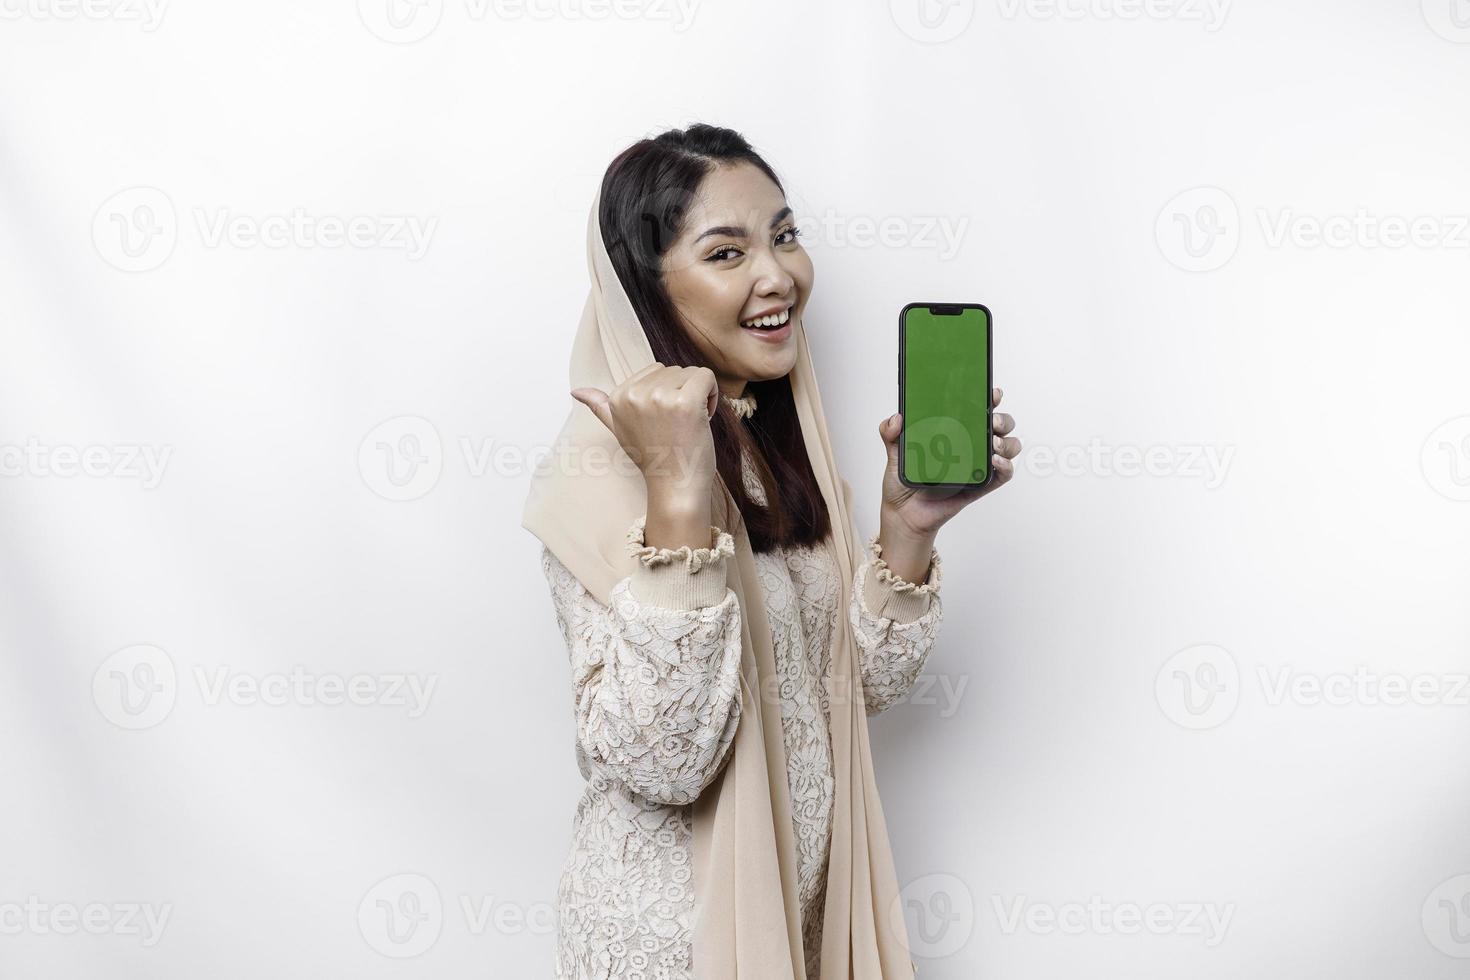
(661, 417)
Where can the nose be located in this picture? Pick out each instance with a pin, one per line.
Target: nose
(772, 278)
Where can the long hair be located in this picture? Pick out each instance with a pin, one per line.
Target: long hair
(646, 193)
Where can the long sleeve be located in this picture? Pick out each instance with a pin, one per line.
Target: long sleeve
(656, 673)
(895, 623)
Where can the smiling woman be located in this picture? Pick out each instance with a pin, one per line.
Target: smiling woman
(727, 632)
(697, 226)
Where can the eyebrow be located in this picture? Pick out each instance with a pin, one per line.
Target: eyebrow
(734, 232)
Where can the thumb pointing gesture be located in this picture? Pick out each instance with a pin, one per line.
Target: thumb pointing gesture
(660, 417)
(596, 400)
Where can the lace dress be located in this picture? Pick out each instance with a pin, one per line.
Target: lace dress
(656, 697)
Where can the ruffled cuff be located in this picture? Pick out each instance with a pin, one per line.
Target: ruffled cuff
(890, 597)
(683, 577)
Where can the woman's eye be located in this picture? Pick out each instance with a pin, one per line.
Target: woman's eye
(793, 231)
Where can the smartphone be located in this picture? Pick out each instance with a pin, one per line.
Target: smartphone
(944, 371)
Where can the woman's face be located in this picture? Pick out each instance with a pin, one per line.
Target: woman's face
(737, 257)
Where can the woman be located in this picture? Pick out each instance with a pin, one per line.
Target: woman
(722, 624)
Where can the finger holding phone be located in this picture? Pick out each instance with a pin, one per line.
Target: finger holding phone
(947, 445)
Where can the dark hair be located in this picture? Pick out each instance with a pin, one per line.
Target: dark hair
(646, 193)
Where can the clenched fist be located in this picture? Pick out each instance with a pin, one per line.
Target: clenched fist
(661, 417)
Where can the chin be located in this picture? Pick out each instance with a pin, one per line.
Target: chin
(778, 365)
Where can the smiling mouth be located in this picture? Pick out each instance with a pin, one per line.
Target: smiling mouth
(768, 323)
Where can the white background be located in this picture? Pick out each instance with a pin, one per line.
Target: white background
(1103, 722)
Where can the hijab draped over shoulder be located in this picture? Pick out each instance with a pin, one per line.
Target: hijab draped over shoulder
(747, 915)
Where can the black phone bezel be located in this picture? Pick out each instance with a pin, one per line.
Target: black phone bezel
(989, 399)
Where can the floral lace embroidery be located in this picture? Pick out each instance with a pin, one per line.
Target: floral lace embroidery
(656, 702)
(800, 589)
(893, 654)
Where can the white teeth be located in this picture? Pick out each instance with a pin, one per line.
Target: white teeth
(768, 321)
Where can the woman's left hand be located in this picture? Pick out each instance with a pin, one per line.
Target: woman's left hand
(921, 512)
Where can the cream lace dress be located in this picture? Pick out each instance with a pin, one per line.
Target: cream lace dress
(655, 683)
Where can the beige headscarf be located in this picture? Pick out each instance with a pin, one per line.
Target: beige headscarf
(745, 858)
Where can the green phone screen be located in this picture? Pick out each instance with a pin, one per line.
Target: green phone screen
(945, 384)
